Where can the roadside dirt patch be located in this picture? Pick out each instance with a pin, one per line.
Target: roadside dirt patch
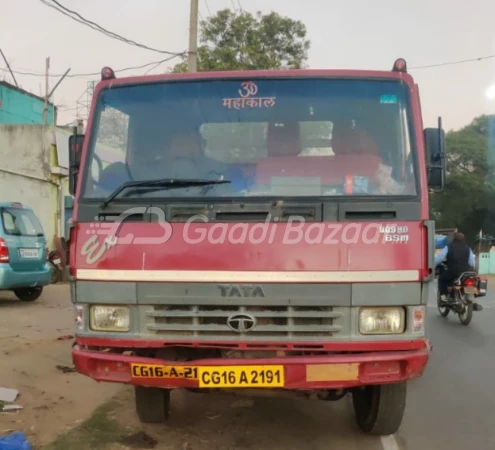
(139, 440)
(53, 401)
(95, 433)
(223, 422)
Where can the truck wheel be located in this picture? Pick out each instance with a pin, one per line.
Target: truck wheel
(152, 404)
(29, 294)
(379, 409)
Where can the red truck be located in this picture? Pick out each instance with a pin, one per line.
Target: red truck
(252, 231)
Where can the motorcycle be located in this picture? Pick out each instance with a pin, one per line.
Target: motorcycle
(55, 260)
(461, 297)
(58, 260)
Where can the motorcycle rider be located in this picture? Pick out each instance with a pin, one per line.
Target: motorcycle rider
(459, 258)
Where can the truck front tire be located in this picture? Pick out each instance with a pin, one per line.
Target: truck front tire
(379, 409)
(152, 404)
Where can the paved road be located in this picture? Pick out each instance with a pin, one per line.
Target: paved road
(452, 407)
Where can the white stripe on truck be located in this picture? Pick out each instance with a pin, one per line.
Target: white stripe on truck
(227, 276)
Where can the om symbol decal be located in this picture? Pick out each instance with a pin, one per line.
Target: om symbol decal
(248, 89)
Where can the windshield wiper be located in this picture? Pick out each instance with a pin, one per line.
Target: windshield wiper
(165, 183)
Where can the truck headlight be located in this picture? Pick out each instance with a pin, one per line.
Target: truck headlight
(110, 318)
(382, 320)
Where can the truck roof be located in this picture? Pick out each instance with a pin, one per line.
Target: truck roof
(245, 74)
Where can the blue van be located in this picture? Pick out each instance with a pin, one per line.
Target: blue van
(24, 268)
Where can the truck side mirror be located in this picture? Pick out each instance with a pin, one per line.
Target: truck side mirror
(75, 151)
(435, 156)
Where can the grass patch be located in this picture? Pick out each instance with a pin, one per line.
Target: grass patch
(96, 433)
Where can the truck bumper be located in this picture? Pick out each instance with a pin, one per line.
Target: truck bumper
(335, 371)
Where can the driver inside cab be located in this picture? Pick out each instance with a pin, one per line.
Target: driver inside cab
(154, 157)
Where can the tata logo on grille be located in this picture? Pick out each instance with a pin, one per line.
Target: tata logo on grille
(243, 290)
(241, 323)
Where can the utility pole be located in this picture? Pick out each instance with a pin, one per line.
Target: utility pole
(192, 60)
(47, 91)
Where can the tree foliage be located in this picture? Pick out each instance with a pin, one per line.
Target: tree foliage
(243, 41)
(468, 200)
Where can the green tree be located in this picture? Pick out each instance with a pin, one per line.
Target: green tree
(468, 200)
(243, 41)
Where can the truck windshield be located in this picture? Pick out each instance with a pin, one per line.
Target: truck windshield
(269, 137)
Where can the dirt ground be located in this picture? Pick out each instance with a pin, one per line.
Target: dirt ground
(53, 401)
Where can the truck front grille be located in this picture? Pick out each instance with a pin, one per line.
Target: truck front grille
(304, 323)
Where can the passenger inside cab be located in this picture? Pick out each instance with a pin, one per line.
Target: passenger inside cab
(358, 150)
(357, 155)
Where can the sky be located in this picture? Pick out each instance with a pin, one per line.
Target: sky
(344, 34)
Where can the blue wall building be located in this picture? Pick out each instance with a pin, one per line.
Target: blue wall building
(19, 107)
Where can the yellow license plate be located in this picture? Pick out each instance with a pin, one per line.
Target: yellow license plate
(470, 290)
(216, 376)
(156, 371)
(241, 376)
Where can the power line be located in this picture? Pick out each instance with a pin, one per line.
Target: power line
(208, 7)
(97, 27)
(81, 75)
(159, 63)
(451, 63)
(78, 18)
(67, 108)
(8, 67)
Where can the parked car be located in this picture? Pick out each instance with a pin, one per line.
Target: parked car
(24, 268)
